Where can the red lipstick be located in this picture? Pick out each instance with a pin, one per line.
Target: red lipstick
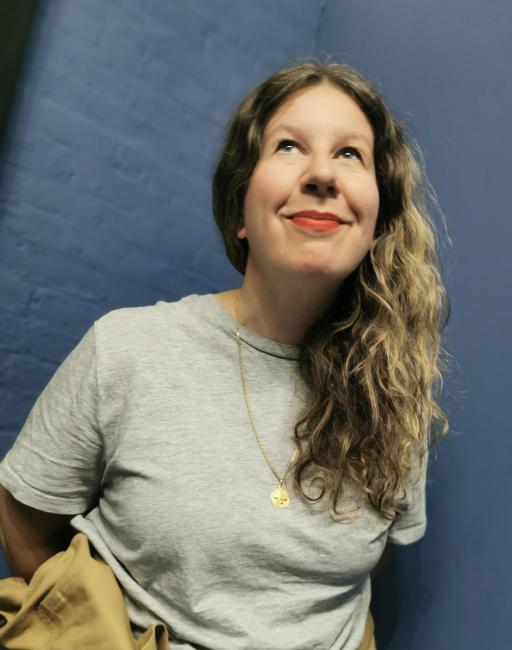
(315, 220)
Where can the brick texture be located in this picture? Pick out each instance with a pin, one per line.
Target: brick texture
(106, 169)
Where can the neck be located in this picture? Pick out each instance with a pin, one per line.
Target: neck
(282, 312)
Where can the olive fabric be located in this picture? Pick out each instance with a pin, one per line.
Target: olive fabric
(72, 601)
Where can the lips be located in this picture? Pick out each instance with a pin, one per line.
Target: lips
(316, 221)
(316, 215)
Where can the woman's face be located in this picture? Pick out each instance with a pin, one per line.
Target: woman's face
(317, 154)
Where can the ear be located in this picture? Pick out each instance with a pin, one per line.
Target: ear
(241, 233)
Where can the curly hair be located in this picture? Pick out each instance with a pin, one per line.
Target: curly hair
(373, 362)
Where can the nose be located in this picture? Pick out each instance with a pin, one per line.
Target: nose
(320, 177)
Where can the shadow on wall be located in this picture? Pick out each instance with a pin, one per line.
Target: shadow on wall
(4, 569)
(16, 20)
(397, 597)
(385, 604)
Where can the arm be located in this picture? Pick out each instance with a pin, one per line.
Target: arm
(383, 559)
(56, 461)
(28, 536)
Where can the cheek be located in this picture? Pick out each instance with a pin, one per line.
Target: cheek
(363, 198)
(370, 202)
(263, 194)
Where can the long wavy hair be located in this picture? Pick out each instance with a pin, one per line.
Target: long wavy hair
(373, 363)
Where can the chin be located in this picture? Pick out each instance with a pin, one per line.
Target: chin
(324, 274)
(318, 267)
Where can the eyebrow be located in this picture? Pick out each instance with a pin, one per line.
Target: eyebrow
(296, 130)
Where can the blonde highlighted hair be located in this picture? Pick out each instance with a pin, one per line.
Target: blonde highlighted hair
(373, 363)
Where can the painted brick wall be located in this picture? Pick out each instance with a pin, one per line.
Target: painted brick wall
(105, 173)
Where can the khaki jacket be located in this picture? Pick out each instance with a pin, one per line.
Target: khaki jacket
(72, 601)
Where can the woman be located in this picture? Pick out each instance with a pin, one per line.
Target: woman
(242, 459)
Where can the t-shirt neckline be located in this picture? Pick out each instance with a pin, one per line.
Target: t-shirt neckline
(261, 343)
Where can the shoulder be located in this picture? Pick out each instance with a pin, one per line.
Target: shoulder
(126, 322)
(145, 321)
(143, 332)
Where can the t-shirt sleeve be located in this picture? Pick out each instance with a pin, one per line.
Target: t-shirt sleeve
(56, 462)
(411, 526)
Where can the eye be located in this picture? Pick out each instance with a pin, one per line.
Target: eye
(285, 143)
(352, 150)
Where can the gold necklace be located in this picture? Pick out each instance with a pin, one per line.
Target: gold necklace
(279, 497)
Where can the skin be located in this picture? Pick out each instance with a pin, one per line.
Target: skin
(29, 537)
(325, 162)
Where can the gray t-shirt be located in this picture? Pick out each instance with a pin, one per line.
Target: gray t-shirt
(143, 434)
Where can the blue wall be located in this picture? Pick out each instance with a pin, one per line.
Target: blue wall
(445, 68)
(105, 202)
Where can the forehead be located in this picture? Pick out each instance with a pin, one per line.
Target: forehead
(321, 108)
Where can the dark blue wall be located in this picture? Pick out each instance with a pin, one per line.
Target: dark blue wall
(445, 68)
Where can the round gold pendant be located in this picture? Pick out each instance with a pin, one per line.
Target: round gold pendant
(280, 497)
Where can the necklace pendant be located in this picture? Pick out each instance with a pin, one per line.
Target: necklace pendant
(280, 497)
